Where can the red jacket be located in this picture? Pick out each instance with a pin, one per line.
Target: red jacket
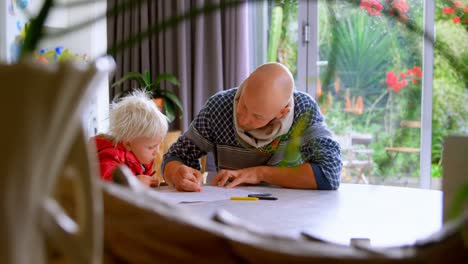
(111, 156)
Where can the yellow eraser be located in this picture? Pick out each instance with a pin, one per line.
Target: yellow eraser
(242, 198)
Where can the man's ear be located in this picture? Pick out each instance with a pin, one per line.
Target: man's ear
(283, 112)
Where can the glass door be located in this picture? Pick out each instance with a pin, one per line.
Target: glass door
(363, 62)
(275, 35)
(370, 87)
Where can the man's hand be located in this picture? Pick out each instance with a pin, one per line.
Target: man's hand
(184, 178)
(149, 181)
(248, 175)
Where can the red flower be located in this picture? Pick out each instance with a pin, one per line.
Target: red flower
(457, 3)
(403, 83)
(412, 75)
(397, 87)
(393, 83)
(448, 10)
(373, 7)
(456, 20)
(392, 78)
(465, 9)
(401, 6)
(416, 71)
(398, 9)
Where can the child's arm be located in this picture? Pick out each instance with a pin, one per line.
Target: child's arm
(107, 163)
(150, 181)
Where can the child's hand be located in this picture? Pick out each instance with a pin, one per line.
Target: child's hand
(150, 181)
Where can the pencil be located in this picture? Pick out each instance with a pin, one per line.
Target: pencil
(242, 198)
(204, 175)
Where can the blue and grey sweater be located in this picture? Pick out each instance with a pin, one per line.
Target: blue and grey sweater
(213, 130)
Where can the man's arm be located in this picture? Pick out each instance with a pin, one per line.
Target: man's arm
(324, 155)
(182, 177)
(318, 147)
(300, 177)
(181, 164)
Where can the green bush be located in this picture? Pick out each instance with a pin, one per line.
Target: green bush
(450, 95)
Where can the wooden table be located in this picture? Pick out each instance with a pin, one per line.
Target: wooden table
(388, 216)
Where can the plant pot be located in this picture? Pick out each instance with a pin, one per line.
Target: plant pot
(45, 140)
(159, 102)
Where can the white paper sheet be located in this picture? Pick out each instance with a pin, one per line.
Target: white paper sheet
(208, 194)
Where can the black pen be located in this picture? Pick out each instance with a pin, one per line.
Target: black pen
(267, 198)
(259, 195)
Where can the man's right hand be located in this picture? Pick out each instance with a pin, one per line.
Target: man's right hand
(182, 177)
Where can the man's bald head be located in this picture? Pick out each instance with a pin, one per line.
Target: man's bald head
(265, 95)
(270, 81)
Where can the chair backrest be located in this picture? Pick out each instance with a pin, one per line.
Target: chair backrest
(361, 139)
(410, 124)
(170, 138)
(404, 149)
(455, 171)
(42, 109)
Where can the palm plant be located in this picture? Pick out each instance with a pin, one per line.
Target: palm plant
(171, 103)
(361, 52)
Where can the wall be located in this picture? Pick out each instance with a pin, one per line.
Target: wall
(3, 19)
(11, 19)
(91, 41)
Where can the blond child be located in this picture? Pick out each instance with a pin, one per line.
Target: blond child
(136, 129)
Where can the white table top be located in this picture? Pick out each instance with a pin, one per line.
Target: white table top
(388, 216)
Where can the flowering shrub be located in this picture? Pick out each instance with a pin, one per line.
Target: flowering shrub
(456, 11)
(399, 9)
(395, 8)
(373, 7)
(353, 105)
(397, 82)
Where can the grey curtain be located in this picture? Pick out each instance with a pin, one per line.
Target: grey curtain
(207, 54)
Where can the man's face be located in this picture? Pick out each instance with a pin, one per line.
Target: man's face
(252, 114)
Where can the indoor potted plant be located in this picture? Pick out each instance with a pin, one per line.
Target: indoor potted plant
(165, 99)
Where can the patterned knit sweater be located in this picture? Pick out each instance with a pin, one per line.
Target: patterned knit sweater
(213, 131)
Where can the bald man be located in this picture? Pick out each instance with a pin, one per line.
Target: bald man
(248, 129)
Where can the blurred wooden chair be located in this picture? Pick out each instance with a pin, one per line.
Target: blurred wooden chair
(357, 157)
(170, 138)
(402, 149)
(394, 151)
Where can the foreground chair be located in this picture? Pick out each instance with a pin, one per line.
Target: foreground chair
(41, 137)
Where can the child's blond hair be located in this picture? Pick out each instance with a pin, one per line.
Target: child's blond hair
(136, 115)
